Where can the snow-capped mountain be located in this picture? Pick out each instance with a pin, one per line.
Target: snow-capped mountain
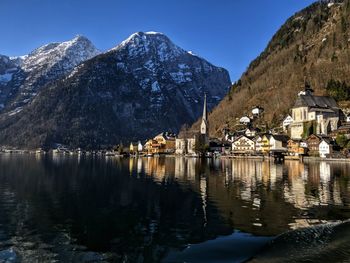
(47, 63)
(160, 66)
(143, 86)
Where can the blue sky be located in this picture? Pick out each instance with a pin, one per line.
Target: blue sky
(228, 33)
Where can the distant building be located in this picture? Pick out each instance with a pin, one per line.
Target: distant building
(348, 118)
(325, 148)
(251, 132)
(257, 111)
(287, 122)
(243, 144)
(258, 143)
(314, 141)
(190, 144)
(245, 120)
(133, 148)
(322, 111)
(296, 147)
(278, 142)
(162, 143)
(139, 147)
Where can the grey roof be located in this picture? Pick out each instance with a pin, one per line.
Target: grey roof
(280, 137)
(315, 101)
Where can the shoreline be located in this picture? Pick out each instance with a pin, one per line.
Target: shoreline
(252, 157)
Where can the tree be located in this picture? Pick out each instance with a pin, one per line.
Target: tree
(338, 90)
(342, 140)
(201, 147)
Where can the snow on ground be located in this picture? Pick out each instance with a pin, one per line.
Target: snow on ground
(4, 78)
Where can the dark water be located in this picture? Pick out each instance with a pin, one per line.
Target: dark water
(71, 209)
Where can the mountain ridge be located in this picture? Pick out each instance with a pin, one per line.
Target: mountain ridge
(141, 87)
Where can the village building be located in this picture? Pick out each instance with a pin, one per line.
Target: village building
(265, 143)
(139, 147)
(325, 148)
(161, 144)
(243, 145)
(348, 118)
(258, 143)
(251, 132)
(278, 142)
(287, 122)
(257, 111)
(296, 147)
(133, 148)
(245, 120)
(313, 142)
(190, 144)
(308, 110)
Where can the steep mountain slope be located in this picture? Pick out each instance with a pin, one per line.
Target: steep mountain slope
(28, 74)
(314, 43)
(143, 86)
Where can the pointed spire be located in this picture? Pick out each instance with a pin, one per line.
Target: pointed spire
(204, 124)
(205, 113)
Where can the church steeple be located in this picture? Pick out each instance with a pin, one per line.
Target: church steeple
(205, 124)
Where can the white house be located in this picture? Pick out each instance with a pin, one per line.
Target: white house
(250, 132)
(325, 148)
(244, 120)
(286, 122)
(256, 111)
(348, 118)
(139, 147)
(243, 144)
(278, 142)
(258, 143)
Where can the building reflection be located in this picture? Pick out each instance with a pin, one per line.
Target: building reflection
(252, 194)
(167, 202)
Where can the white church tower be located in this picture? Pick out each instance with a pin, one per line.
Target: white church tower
(205, 123)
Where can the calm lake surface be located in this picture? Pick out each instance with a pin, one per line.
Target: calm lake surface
(86, 209)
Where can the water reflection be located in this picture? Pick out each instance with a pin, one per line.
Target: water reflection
(63, 207)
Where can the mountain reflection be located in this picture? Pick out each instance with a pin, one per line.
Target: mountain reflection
(59, 208)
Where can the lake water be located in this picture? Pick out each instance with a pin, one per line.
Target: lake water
(85, 209)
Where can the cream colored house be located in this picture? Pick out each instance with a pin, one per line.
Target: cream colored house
(243, 144)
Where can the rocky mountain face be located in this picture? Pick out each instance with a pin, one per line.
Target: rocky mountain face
(313, 44)
(21, 78)
(143, 86)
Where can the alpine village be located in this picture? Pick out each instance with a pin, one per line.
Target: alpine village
(300, 113)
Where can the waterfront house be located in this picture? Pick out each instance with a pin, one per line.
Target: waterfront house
(296, 147)
(319, 112)
(162, 143)
(243, 145)
(133, 148)
(191, 143)
(258, 143)
(313, 142)
(265, 143)
(325, 148)
(139, 147)
(278, 142)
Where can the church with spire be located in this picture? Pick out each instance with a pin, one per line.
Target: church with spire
(188, 144)
(204, 123)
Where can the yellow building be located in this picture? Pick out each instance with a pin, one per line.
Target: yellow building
(295, 148)
(161, 144)
(265, 143)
